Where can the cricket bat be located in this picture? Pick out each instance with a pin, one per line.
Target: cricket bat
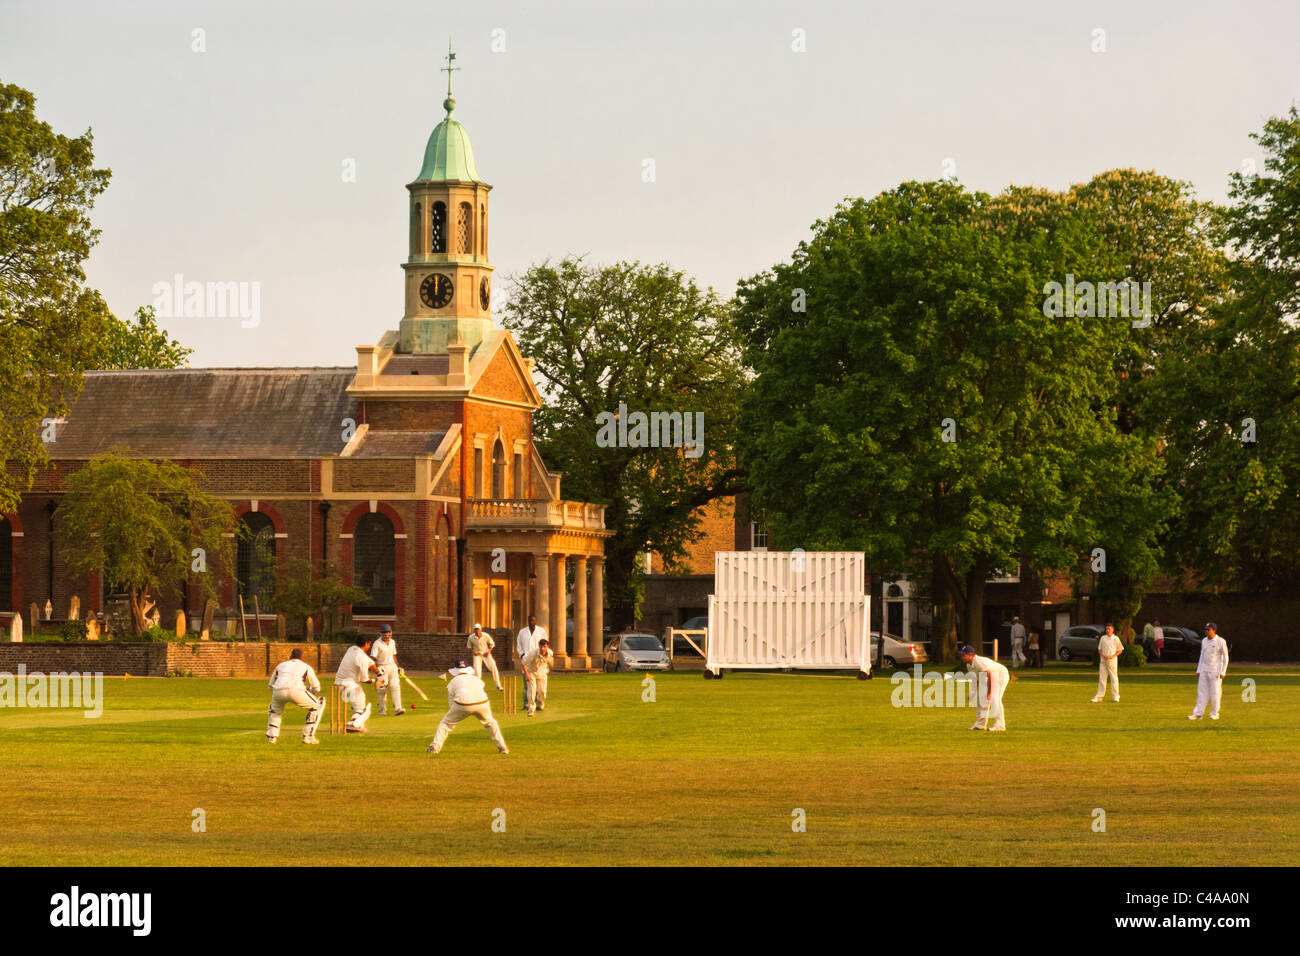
(415, 687)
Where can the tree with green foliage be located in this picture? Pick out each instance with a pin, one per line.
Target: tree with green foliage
(915, 401)
(146, 526)
(49, 321)
(52, 327)
(139, 344)
(302, 593)
(646, 337)
(1229, 402)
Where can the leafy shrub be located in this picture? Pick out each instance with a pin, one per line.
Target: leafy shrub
(73, 630)
(157, 633)
(1133, 656)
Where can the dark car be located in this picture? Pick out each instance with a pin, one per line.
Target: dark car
(1079, 643)
(1181, 644)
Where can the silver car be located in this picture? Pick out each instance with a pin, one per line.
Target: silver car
(897, 652)
(636, 652)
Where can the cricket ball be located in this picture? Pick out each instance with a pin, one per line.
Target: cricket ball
(412, 706)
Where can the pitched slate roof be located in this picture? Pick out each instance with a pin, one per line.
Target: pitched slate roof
(397, 444)
(209, 413)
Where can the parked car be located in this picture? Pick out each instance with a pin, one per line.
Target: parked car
(1181, 644)
(897, 652)
(681, 645)
(1080, 643)
(636, 652)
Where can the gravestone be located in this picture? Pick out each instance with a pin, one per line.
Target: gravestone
(74, 608)
(92, 629)
(281, 626)
(210, 608)
(16, 629)
(49, 608)
(180, 625)
(311, 629)
(36, 616)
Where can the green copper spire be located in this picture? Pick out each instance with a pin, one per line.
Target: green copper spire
(449, 154)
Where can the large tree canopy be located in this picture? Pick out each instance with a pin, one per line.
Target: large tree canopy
(913, 398)
(648, 338)
(52, 327)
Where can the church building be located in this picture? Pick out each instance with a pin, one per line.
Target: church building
(412, 474)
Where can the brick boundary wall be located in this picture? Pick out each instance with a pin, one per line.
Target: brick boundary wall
(415, 652)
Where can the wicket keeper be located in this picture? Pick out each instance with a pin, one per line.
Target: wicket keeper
(294, 681)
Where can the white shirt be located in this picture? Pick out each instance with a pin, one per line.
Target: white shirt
(1017, 631)
(1214, 656)
(480, 642)
(537, 664)
(1158, 634)
(384, 653)
(294, 675)
(1108, 645)
(997, 672)
(355, 666)
(527, 640)
(465, 688)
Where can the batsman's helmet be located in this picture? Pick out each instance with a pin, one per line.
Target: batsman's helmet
(461, 662)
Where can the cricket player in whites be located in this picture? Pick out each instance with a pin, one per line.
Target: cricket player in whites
(354, 670)
(1211, 669)
(537, 666)
(293, 681)
(384, 651)
(466, 695)
(480, 645)
(991, 680)
(1109, 647)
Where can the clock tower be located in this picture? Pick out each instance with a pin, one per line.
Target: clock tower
(448, 277)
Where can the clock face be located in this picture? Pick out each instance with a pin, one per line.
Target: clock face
(436, 290)
(484, 293)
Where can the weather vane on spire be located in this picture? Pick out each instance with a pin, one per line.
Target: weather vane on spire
(449, 69)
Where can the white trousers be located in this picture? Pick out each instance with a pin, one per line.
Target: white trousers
(535, 691)
(1018, 651)
(394, 689)
(1209, 690)
(355, 696)
(282, 697)
(1108, 670)
(458, 712)
(481, 660)
(990, 707)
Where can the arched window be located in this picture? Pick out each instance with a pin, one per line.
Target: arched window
(482, 234)
(374, 548)
(6, 565)
(465, 228)
(416, 231)
(255, 561)
(498, 470)
(438, 228)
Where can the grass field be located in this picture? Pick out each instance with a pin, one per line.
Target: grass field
(709, 773)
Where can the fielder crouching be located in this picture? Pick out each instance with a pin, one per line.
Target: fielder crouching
(466, 696)
(991, 679)
(294, 681)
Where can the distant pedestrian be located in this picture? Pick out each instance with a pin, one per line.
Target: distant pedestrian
(1109, 647)
(1017, 642)
(1035, 648)
(1148, 635)
(1210, 671)
(1158, 639)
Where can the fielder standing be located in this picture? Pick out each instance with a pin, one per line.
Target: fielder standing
(293, 681)
(466, 695)
(480, 644)
(537, 666)
(1211, 669)
(384, 651)
(1109, 647)
(991, 679)
(354, 670)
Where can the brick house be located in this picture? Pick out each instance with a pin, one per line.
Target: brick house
(412, 473)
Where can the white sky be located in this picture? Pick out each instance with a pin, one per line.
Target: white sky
(227, 164)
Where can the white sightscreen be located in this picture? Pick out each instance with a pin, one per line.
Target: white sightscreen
(789, 609)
